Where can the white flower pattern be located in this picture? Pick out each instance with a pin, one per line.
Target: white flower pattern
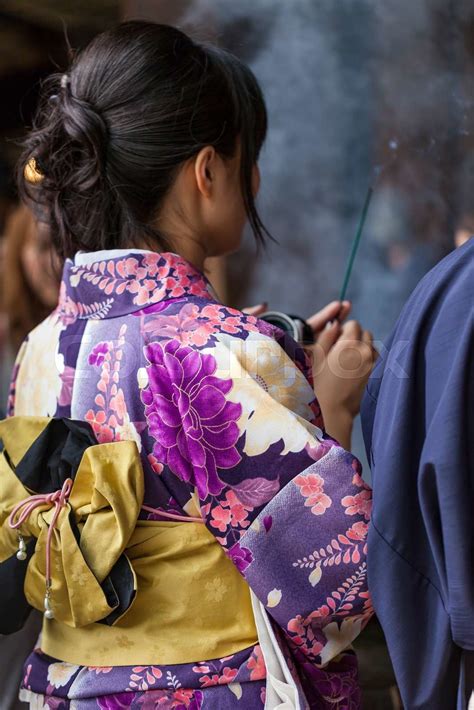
(260, 359)
(59, 674)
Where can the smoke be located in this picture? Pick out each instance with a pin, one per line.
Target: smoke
(359, 92)
(312, 158)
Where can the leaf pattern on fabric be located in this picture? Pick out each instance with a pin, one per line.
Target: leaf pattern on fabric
(308, 633)
(144, 677)
(129, 283)
(222, 408)
(69, 311)
(256, 491)
(344, 549)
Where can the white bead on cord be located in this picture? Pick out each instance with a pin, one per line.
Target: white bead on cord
(48, 611)
(21, 554)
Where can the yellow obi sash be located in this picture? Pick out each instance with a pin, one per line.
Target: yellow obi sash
(190, 603)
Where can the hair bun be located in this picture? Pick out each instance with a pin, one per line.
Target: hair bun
(86, 128)
(111, 134)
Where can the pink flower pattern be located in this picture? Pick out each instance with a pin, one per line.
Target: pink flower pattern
(230, 512)
(346, 548)
(191, 435)
(156, 466)
(224, 678)
(256, 665)
(359, 504)
(111, 409)
(311, 487)
(136, 280)
(193, 325)
(303, 637)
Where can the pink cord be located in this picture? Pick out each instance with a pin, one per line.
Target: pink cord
(59, 499)
(173, 516)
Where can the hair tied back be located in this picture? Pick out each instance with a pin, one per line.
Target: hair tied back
(112, 132)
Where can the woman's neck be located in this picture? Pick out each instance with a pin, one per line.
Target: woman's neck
(191, 250)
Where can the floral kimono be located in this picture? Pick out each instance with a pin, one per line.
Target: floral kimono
(221, 408)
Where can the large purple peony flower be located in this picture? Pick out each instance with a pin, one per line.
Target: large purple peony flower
(192, 423)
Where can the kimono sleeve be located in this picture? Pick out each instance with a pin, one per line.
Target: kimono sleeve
(447, 483)
(286, 502)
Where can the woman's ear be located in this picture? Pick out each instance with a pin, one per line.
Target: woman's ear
(204, 170)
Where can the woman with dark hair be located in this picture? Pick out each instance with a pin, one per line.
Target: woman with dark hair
(233, 573)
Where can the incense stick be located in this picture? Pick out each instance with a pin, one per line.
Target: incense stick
(355, 243)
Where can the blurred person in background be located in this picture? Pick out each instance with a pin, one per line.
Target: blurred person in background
(29, 291)
(29, 285)
(31, 274)
(7, 205)
(5, 350)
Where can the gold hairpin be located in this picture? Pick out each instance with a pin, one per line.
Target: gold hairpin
(31, 172)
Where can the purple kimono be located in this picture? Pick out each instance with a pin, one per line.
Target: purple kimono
(222, 409)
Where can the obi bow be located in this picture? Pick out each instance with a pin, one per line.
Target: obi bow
(121, 588)
(68, 507)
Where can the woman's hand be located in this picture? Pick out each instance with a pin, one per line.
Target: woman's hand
(326, 323)
(343, 358)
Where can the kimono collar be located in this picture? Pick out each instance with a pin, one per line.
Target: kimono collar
(116, 283)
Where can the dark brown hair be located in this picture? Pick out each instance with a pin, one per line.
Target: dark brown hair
(109, 136)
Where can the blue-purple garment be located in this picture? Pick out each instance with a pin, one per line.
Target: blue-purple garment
(223, 411)
(418, 422)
